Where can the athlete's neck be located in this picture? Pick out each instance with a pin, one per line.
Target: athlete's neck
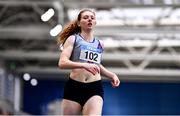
(87, 36)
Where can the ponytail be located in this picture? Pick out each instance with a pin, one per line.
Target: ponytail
(68, 30)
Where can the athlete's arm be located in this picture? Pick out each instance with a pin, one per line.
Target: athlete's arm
(112, 76)
(66, 63)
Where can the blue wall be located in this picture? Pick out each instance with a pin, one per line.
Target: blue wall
(142, 98)
(130, 98)
(36, 98)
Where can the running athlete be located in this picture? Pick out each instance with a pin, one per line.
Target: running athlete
(83, 92)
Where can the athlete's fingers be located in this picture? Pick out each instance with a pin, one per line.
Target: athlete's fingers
(97, 68)
(91, 70)
(94, 71)
(115, 83)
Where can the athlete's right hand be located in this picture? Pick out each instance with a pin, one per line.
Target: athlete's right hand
(92, 68)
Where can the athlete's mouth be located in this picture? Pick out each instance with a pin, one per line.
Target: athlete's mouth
(89, 24)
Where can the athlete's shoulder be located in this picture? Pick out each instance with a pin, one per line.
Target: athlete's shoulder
(71, 39)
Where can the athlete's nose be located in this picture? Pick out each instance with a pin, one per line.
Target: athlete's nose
(89, 19)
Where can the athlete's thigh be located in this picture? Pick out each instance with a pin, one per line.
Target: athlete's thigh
(93, 106)
(70, 107)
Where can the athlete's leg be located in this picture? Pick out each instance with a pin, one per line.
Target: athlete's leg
(93, 106)
(70, 107)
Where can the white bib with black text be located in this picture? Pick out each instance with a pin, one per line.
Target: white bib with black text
(90, 54)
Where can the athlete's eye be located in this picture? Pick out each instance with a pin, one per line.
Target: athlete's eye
(85, 17)
(92, 17)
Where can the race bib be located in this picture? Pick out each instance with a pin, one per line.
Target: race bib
(90, 54)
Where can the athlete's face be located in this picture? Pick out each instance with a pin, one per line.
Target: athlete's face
(87, 20)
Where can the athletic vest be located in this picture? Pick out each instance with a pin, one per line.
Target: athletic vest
(84, 51)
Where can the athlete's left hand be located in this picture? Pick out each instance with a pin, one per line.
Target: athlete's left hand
(115, 81)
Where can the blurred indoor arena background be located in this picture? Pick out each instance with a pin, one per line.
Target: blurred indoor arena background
(142, 45)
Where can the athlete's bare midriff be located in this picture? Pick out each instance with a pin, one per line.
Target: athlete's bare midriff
(84, 76)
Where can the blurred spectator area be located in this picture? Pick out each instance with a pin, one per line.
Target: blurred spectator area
(142, 35)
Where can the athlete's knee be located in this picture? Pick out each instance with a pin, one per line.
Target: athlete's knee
(92, 111)
(70, 111)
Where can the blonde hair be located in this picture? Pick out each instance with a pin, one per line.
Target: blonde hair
(71, 28)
